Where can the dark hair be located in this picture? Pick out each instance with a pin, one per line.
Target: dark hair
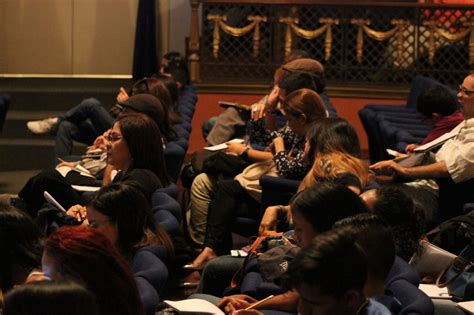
(175, 117)
(50, 298)
(159, 89)
(437, 99)
(326, 203)
(333, 149)
(129, 209)
(333, 134)
(375, 238)
(333, 263)
(396, 208)
(85, 255)
(20, 246)
(292, 81)
(143, 139)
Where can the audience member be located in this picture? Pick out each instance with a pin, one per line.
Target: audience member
(397, 209)
(122, 213)
(86, 256)
(50, 298)
(440, 110)
(20, 248)
(134, 150)
(329, 275)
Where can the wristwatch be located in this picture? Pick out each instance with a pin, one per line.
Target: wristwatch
(245, 154)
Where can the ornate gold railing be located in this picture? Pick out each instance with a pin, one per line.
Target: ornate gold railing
(359, 44)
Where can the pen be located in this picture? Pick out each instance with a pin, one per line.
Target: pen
(254, 305)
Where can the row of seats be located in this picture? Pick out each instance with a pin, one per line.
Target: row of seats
(151, 274)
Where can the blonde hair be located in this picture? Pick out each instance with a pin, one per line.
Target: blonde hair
(333, 164)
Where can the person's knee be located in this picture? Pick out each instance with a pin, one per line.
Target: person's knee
(65, 128)
(201, 185)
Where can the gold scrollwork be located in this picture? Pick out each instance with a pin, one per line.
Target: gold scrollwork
(380, 36)
(292, 27)
(219, 24)
(450, 38)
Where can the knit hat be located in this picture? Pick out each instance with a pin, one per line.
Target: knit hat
(146, 104)
(305, 65)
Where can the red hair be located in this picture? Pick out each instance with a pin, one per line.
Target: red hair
(87, 256)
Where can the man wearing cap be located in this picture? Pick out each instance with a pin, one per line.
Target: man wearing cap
(232, 122)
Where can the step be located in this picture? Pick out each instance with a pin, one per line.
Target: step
(59, 93)
(11, 182)
(29, 154)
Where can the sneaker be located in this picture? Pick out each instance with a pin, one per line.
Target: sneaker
(44, 126)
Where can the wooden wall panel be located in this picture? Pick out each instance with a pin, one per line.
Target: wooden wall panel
(37, 36)
(104, 34)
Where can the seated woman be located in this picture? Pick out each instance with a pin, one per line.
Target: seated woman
(86, 256)
(334, 148)
(50, 297)
(122, 213)
(20, 245)
(301, 107)
(134, 151)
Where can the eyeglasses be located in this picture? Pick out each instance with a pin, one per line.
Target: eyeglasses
(465, 91)
(98, 224)
(113, 137)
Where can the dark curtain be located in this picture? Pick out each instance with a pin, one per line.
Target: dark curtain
(144, 56)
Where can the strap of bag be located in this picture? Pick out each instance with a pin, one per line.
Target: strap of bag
(457, 267)
(237, 278)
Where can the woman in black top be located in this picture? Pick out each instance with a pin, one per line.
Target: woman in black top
(135, 155)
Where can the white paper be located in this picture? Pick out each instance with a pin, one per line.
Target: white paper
(195, 306)
(223, 146)
(434, 292)
(64, 170)
(467, 306)
(436, 142)
(85, 188)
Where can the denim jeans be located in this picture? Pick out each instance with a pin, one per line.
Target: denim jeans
(218, 273)
(83, 123)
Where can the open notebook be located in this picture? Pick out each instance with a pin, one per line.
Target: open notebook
(195, 306)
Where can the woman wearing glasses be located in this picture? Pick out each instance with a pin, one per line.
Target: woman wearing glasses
(134, 154)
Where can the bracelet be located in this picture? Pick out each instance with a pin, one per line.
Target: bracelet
(245, 154)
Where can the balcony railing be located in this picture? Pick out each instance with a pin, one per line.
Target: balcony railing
(359, 44)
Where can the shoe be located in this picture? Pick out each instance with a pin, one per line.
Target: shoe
(194, 267)
(44, 126)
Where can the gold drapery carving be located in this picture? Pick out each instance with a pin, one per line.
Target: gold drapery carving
(452, 38)
(219, 24)
(380, 36)
(292, 27)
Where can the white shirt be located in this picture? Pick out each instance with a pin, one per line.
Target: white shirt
(458, 153)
